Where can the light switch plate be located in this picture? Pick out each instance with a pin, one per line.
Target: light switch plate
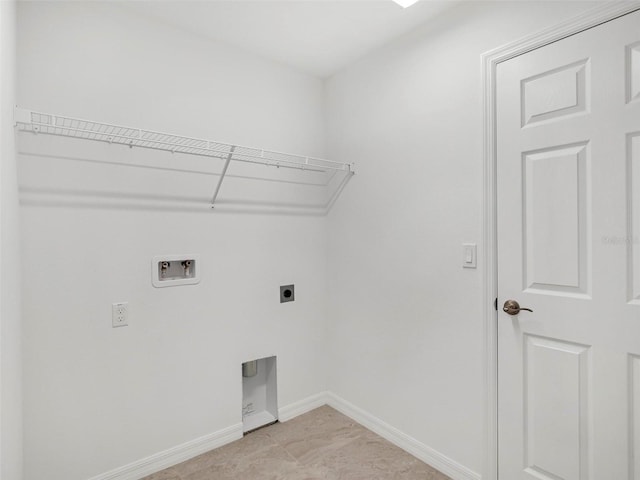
(469, 255)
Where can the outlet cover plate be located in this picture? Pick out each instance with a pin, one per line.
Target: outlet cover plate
(119, 314)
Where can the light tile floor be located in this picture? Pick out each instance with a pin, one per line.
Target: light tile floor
(320, 445)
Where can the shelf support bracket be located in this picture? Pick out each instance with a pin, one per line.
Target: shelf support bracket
(222, 175)
(20, 115)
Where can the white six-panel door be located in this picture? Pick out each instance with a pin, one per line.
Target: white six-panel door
(568, 168)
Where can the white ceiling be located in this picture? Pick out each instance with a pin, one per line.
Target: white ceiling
(316, 36)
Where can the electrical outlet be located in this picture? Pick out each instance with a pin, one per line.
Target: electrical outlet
(120, 314)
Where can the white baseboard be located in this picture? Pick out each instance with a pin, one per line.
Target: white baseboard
(402, 440)
(173, 456)
(303, 406)
(181, 453)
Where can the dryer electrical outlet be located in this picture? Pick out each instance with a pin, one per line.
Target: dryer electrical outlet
(287, 293)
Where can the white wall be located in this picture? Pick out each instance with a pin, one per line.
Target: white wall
(10, 341)
(405, 319)
(405, 323)
(97, 398)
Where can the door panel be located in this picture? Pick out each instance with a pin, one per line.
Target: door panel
(555, 94)
(568, 177)
(634, 412)
(555, 187)
(556, 408)
(633, 200)
(633, 72)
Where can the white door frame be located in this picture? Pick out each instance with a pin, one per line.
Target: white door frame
(490, 60)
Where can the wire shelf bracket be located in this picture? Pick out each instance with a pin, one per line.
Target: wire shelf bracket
(49, 124)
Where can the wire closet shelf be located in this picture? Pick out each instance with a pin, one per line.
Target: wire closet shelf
(60, 125)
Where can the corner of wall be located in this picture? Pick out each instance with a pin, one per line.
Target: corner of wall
(10, 325)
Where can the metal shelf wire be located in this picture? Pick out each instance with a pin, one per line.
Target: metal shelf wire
(60, 125)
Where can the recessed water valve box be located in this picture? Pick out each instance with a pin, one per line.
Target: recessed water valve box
(259, 393)
(173, 270)
(287, 293)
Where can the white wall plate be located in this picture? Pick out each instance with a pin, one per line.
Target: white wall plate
(181, 269)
